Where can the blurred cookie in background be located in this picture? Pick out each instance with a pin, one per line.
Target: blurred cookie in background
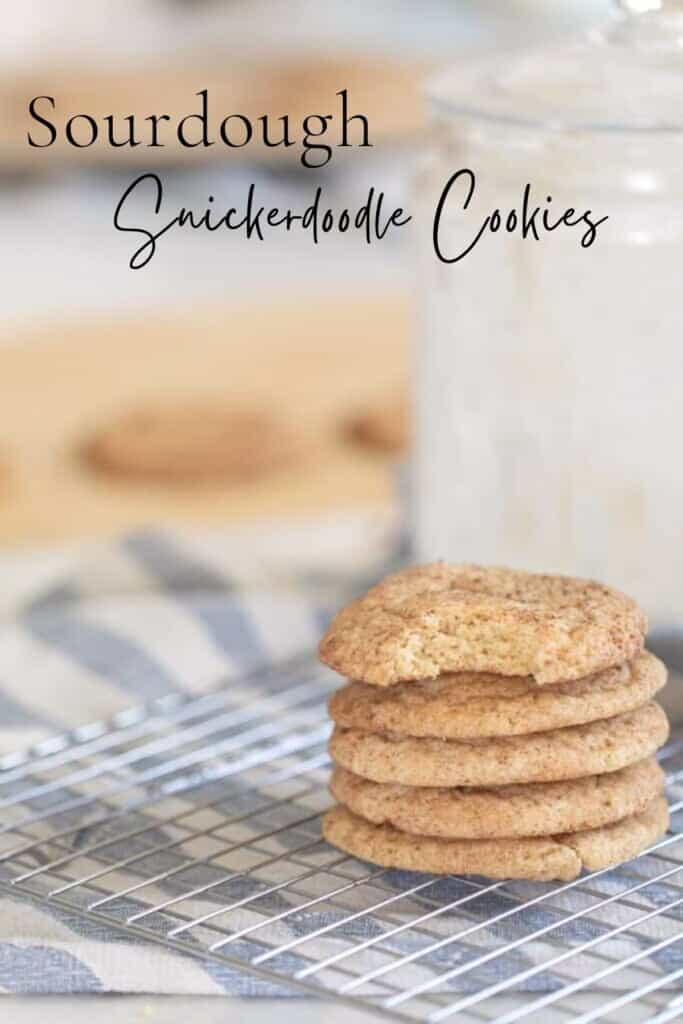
(382, 426)
(198, 441)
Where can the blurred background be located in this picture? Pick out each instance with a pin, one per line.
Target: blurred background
(330, 409)
(286, 331)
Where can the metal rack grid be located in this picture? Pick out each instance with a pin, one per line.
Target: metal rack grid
(195, 823)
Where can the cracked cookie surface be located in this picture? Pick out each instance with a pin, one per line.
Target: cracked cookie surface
(467, 705)
(421, 622)
(542, 858)
(533, 809)
(570, 753)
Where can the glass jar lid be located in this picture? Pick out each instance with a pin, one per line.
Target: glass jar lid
(625, 76)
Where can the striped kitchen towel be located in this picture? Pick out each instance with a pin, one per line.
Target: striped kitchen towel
(88, 632)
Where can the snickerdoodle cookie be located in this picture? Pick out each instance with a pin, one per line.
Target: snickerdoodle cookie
(467, 705)
(205, 441)
(534, 809)
(542, 858)
(569, 753)
(383, 427)
(432, 619)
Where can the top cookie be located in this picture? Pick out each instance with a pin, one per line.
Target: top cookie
(430, 619)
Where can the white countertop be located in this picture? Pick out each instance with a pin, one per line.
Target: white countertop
(173, 1010)
(218, 1010)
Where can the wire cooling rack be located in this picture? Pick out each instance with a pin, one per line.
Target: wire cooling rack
(196, 823)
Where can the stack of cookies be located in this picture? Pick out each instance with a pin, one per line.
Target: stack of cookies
(496, 722)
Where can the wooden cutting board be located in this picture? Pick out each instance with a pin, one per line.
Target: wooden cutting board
(312, 360)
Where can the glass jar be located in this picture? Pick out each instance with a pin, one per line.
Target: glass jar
(549, 405)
